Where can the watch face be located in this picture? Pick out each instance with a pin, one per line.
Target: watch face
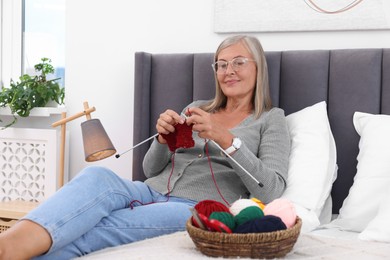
(237, 143)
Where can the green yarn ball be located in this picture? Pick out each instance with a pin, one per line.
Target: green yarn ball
(248, 214)
(225, 217)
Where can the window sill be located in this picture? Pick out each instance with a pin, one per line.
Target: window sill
(38, 111)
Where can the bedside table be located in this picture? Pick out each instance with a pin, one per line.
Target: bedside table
(12, 211)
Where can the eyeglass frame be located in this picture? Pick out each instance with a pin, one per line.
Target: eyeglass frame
(231, 63)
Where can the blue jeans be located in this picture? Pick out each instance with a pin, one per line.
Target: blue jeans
(93, 212)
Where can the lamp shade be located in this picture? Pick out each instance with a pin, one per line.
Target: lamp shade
(97, 144)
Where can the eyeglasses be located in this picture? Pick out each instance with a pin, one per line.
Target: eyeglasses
(238, 63)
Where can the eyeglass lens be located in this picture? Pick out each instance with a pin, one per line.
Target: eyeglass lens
(236, 63)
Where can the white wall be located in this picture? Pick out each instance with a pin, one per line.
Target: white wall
(102, 37)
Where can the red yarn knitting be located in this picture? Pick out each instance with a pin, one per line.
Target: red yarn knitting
(181, 138)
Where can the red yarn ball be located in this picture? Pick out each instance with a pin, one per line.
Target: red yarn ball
(206, 207)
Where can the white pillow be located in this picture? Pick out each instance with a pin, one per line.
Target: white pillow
(379, 229)
(312, 164)
(326, 213)
(372, 179)
(309, 218)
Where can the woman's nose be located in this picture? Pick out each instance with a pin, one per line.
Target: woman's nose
(230, 69)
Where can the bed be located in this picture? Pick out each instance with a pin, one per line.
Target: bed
(337, 103)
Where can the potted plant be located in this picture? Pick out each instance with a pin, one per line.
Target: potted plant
(32, 91)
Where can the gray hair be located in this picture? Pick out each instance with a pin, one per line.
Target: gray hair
(261, 99)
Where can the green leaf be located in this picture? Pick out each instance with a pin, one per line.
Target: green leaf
(32, 91)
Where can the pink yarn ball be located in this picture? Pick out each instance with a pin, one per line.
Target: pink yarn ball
(284, 209)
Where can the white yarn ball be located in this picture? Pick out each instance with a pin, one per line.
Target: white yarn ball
(241, 204)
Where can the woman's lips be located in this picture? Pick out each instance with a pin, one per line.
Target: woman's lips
(231, 81)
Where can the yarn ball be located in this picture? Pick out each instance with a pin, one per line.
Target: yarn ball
(247, 214)
(284, 209)
(206, 207)
(224, 217)
(265, 224)
(259, 203)
(241, 204)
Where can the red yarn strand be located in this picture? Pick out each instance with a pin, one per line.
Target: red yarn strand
(168, 188)
(212, 174)
(170, 175)
(169, 181)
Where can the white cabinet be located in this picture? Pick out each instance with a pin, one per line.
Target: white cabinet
(29, 157)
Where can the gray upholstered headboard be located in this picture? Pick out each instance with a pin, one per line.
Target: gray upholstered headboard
(349, 80)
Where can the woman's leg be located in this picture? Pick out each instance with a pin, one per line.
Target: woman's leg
(129, 225)
(80, 205)
(21, 234)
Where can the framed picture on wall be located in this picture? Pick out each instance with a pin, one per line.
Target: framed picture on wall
(300, 15)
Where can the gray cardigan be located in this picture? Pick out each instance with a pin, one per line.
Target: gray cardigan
(264, 153)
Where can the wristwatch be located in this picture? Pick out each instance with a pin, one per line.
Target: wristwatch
(236, 144)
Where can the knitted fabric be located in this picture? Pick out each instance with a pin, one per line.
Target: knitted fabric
(181, 138)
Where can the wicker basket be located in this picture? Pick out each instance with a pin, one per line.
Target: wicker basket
(6, 224)
(253, 245)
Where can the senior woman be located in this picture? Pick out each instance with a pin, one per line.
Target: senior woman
(98, 209)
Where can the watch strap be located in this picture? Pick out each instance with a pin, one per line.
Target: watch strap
(230, 149)
(236, 143)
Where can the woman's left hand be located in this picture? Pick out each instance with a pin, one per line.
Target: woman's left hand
(208, 128)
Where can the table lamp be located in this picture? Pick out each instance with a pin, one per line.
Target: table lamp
(97, 144)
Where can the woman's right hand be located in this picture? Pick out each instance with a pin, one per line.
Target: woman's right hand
(166, 123)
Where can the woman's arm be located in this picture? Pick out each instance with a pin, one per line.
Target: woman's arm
(156, 159)
(270, 165)
(158, 155)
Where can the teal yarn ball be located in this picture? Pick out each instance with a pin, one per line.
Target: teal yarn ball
(247, 214)
(224, 217)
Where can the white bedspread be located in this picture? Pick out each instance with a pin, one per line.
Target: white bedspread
(324, 244)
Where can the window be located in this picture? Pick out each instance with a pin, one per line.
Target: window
(31, 30)
(44, 35)
(10, 40)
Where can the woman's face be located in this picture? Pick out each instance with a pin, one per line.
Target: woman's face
(237, 83)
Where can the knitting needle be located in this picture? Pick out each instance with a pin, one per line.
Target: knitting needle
(197, 218)
(144, 141)
(239, 165)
